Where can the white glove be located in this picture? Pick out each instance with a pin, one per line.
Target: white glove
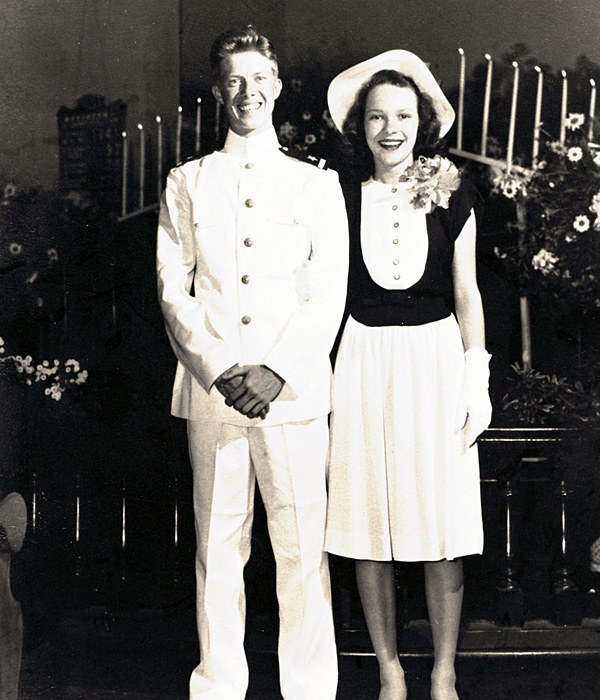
(474, 411)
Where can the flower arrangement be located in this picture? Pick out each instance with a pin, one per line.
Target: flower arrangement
(56, 377)
(557, 255)
(431, 181)
(31, 278)
(303, 123)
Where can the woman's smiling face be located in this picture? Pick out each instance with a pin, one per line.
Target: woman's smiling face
(391, 125)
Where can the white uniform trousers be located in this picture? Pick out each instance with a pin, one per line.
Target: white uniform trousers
(288, 461)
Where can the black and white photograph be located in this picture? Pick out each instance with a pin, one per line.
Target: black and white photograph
(299, 350)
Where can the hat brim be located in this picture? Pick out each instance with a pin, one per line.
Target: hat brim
(345, 87)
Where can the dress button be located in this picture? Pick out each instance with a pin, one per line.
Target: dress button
(396, 262)
(296, 222)
(246, 320)
(394, 207)
(394, 190)
(246, 279)
(396, 277)
(248, 242)
(396, 224)
(249, 203)
(395, 241)
(249, 166)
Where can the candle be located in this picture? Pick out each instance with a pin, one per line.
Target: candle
(178, 137)
(198, 108)
(461, 100)
(592, 110)
(159, 157)
(124, 175)
(513, 118)
(486, 104)
(563, 107)
(142, 165)
(537, 122)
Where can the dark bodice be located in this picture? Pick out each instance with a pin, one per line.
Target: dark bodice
(429, 299)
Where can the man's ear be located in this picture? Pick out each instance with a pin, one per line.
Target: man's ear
(216, 91)
(278, 86)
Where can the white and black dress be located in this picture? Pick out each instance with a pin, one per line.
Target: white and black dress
(400, 485)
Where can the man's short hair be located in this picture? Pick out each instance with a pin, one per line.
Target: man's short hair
(237, 41)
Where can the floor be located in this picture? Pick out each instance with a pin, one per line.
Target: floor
(148, 655)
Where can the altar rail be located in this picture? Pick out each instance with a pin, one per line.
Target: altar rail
(134, 547)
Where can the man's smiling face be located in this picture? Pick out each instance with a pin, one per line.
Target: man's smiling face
(248, 87)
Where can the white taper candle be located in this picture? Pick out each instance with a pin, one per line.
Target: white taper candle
(486, 104)
(537, 121)
(592, 113)
(563, 107)
(461, 100)
(513, 118)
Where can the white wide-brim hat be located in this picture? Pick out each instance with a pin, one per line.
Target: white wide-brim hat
(345, 87)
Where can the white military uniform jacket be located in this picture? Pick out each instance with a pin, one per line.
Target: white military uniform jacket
(252, 259)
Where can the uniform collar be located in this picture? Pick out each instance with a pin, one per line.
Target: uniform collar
(258, 147)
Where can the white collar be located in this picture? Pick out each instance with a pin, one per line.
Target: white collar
(257, 147)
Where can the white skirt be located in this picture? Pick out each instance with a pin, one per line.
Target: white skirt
(401, 487)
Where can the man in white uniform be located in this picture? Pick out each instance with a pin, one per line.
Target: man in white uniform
(252, 265)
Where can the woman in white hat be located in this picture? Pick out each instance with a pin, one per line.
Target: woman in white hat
(411, 376)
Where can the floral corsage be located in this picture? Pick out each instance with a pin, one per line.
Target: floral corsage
(431, 181)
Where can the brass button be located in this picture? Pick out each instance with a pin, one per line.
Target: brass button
(395, 241)
(246, 279)
(248, 242)
(396, 262)
(396, 224)
(246, 320)
(396, 277)
(395, 207)
(249, 166)
(249, 203)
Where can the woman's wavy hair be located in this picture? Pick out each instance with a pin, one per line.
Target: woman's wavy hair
(237, 41)
(353, 131)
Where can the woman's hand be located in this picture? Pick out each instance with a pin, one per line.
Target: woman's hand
(474, 411)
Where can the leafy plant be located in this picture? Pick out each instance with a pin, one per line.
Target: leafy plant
(537, 399)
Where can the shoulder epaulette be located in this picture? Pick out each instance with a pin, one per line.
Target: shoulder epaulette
(320, 163)
(188, 159)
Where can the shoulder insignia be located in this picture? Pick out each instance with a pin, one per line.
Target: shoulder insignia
(320, 163)
(188, 159)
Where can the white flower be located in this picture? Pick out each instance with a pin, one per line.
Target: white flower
(581, 223)
(574, 120)
(306, 115)
(15, 248)
(557, 147)
(310, 139)
(52, 254)
(287, 131)
(544, 261)
(296, 84)
(575, 154)
(10, 190)
(571, 237)
(595, 205)
(328, 120)
(510, 189)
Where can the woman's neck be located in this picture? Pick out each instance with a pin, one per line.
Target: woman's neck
(390, 175)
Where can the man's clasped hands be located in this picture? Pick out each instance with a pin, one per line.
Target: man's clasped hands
(249, 389)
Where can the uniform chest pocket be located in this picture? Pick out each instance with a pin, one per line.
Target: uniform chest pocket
(286, 234)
